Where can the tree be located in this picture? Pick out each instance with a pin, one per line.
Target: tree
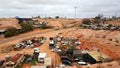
(26, 27)
(86, 21)
(114, 17)
(98, 19)
(11, 31)
(38, 17)
(100, 16)
(57, 17)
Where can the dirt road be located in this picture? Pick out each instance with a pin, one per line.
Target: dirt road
(25, 35)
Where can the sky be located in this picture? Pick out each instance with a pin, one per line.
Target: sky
(62, 8)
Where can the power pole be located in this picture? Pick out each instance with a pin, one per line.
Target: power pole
(75, 11)
(116, 14)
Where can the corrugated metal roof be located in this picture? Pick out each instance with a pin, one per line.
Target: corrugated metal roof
(98, 56)
(16, 57)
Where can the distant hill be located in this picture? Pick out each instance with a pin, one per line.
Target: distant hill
(8, 22)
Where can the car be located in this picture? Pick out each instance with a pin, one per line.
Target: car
(1, 62)
(62, 66)
(76, 59)
(43, 40)
(28, 58)
(82, 62)
(66, 62)
(66, 58)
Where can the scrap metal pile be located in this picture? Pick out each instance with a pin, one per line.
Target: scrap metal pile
(28, 43)
(61, 43)
(31, 43)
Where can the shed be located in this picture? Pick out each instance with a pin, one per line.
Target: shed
(15, 60)
(79, 53)
(98, 56)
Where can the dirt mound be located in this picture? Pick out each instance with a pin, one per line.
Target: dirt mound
(94, 40)
(114, 22)
(8, 22)
(59, 22)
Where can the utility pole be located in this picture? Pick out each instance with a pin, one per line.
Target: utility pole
(75, 11)
(116, 14)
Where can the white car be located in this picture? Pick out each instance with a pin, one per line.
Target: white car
(81, 62)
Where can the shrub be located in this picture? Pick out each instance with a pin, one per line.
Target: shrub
(10, 32)
(114, 17)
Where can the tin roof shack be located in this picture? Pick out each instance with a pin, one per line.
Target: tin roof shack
(78, 54)
(97, 57)
(15, 60)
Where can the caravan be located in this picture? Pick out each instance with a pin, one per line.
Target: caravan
(41, 57)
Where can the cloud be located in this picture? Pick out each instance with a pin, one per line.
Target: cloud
(85, 8)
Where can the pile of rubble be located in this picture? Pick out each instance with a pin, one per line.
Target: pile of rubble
(60, 43)
(100, 26)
